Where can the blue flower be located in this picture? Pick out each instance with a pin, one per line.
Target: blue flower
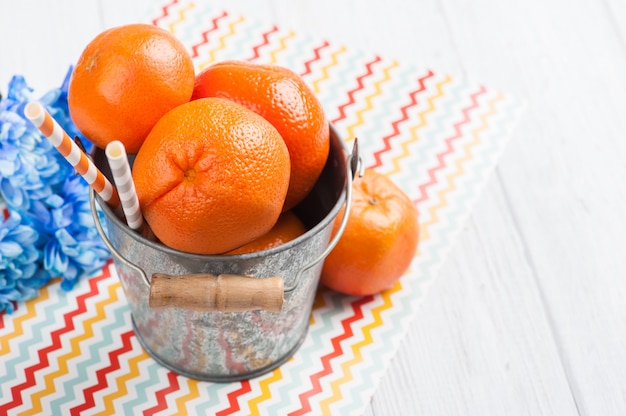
(74, 246)
(50, 230)
(21, 272)
(30, 168)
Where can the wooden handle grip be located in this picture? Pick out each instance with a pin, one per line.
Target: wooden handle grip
(208, 292)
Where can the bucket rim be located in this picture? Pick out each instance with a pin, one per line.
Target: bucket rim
(317, 228)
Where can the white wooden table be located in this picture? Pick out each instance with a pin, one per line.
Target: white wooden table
(528, 315)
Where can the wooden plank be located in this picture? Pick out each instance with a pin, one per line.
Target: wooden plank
(564, 179)
(46, 58)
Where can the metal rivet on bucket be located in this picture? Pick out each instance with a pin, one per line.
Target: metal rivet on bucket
(225, 318)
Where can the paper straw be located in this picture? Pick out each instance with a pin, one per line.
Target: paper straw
(48, 126)
(120, 168)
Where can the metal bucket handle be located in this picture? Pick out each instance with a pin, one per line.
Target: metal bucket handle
(227, 292)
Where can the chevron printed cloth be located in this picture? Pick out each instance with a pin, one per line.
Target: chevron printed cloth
(437, 137)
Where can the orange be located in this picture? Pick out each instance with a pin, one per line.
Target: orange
(211, 176)
(287, 228)
(379, 241)
(281, 97)
(126, 78)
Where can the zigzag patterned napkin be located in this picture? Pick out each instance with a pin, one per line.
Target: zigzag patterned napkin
(437, 137)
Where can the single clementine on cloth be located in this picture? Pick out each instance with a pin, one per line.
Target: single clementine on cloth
(126, 78)
(287, 228)
(379, 241)
(211, 176)
(281, 97)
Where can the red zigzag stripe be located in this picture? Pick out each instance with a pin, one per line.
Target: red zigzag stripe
(266, 41)
(316, 57)
(205, 37)
(359, 86)
(337, 351)
(449, 149)
(232, 399)
(405, 116)
(162, 394)
(165, 12)
(101, 374)
(16, 391)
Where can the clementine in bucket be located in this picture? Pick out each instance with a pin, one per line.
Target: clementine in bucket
(211, 176)
(287, 228)
(280, 96)
(126, 78)
(379, 241)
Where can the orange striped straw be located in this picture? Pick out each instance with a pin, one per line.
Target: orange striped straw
(48, 126)
(120, 169)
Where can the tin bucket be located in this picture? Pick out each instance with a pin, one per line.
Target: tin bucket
(229, 317)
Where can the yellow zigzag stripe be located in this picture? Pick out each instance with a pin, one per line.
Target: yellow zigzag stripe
(283, 47)
(18, 323)
(181, 17)
(50, 388)
(193, 394)
(334, 61)
(413, 136)
(459, 167)
(221, 44)
(368, 99)
(356, 349)
(120, 382)
(265, 391)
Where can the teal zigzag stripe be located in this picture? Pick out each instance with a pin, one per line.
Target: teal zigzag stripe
(190, 33)
(93, 357)
(239, 44)
(340, 77)
(155, 375)
(398, 97)
(469, 193)
(365, 376)
(395, 88)
(456, 213)
(51, 312)
(445, 113)
(378, 123)
(292, 57)
(213, 392)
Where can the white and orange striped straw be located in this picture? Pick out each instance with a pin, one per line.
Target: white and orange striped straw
(120, 169)
(48, 126)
